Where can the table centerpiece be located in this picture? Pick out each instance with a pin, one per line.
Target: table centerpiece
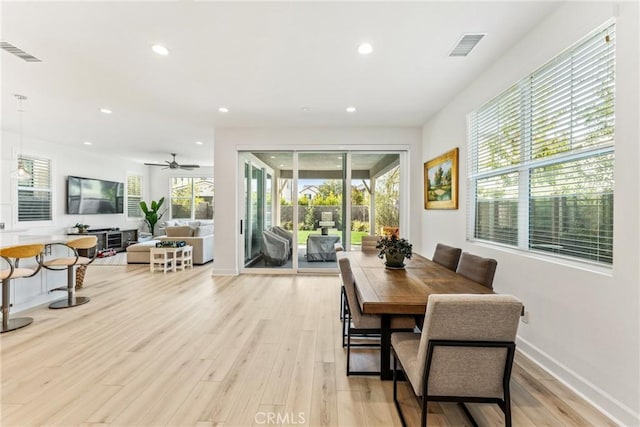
(394, 250)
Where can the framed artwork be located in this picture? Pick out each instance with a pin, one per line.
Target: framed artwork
(441, 181)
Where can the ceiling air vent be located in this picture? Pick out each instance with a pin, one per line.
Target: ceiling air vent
(18, 52)
(466, 43)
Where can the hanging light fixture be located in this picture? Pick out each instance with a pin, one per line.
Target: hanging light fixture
(22, 172)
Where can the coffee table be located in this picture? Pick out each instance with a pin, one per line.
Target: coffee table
(168, 258)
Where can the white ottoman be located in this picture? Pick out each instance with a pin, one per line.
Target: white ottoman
(139, 253)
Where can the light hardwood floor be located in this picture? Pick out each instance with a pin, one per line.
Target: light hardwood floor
(188, 349)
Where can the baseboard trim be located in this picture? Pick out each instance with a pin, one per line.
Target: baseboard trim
(618, 412)
(224, 272)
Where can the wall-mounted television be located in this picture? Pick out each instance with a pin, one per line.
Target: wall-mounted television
(86, 196)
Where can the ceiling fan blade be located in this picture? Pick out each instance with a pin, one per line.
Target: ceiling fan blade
(155, 164)
(189, 166)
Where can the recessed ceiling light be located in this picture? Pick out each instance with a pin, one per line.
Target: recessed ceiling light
(88, 143)
(281, 166)
(160, 50)
(365, 49)
(338, 166)
(273, 157)
(305, 108)
(223, 109)
(351, 109)
(198, 142)
(339, 157)
(106, 111)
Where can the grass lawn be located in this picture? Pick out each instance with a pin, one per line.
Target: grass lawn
(356, 236)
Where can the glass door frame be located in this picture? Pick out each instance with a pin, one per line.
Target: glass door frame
(401, 150)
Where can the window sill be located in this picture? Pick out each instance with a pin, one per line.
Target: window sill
(539, 256)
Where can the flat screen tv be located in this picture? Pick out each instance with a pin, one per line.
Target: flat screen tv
(86, 196)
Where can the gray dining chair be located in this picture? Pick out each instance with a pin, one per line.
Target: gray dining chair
(464, 353)
(477, 268)
(359, 324)
(369, 243)
(447, 256)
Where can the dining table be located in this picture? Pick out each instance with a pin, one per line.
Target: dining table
(390, 292)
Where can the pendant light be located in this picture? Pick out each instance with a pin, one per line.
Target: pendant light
(22, 173)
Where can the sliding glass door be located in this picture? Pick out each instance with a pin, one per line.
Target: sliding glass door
(268, 207)
(299, 205)
(321, 208)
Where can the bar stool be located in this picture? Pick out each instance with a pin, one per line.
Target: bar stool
(12, 256)
(69, 263)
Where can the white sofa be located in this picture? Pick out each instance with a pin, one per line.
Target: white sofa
(195, 234)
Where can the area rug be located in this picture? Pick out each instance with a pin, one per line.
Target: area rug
(117, 259)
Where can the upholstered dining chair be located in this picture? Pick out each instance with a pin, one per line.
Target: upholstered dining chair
(70, 263)
(360, 324)
(12, 270)
(447, 256)
(477, 268)
(369, 243)
(464, 353)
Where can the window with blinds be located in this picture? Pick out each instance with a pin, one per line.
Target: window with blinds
(192, 198)
(34, 191)
(134, 196)
(541, 157)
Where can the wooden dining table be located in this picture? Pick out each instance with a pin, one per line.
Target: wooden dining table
(393, 292)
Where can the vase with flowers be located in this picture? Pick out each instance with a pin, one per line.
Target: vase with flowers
(394, 250)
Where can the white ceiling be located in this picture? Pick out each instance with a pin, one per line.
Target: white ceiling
(264, 61)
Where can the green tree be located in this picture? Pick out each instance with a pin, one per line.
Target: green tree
(310, 218)
(357, 196)
(331, 186)
(387, 198)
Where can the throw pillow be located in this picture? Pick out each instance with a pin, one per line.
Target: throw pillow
(203, 230)
(179, 231)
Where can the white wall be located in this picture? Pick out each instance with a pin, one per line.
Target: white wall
(65, 161)
(584, 322)
(227, 141)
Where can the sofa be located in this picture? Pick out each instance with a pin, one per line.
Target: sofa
(198, 234)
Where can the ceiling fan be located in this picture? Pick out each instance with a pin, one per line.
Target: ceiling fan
(173, 164)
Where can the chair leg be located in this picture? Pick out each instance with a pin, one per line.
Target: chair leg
(348, 345)
(468, 414)
(72, 300)
(395, 389)
(7, 323)
(507, 406)
(346, 323)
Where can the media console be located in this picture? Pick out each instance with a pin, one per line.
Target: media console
(111, 238)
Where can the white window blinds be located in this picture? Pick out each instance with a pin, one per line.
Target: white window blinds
(34, 192)
(541, 157)
(134, 196)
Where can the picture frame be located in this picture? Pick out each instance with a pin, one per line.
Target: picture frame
(441, 181)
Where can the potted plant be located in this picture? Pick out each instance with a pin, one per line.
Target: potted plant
(151, 215)
(395, 250)
(82, 228)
